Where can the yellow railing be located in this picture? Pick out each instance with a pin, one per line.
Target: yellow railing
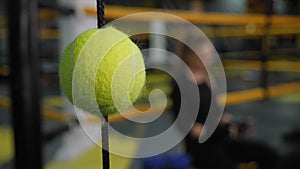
(242, 25)
(114, 12)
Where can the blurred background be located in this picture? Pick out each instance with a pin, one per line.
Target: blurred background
(258, 43)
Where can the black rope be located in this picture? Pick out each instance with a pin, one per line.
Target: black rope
(105, 145)
(100, 13)
(104, 127)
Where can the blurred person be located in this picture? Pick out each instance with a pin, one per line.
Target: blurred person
(196, 5)
(291, 159)
(226, 147)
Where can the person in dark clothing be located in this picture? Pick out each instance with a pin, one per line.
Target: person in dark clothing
(223, 150)
(291, 159)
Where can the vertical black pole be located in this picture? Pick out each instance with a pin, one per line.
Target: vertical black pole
(24, 62)
(105, 144)
(104, 127)
(266, 47)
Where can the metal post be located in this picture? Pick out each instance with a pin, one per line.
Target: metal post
(266, 48)
(24, 62)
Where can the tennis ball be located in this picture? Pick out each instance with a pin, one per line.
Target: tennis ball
(102, 69)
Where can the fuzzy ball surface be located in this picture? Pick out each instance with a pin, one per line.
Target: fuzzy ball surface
(102, 69)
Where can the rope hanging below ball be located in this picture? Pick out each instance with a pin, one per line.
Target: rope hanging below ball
(104, 127)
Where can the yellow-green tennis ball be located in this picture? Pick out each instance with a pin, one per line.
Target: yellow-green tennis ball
(102, 69)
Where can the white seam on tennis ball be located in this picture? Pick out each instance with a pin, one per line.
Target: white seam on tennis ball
(119, 102)
(134, 68)
(127, 95)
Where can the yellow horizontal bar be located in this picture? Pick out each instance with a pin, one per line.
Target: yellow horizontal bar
(43, 33)
(240, 97)
(45, 14)
(56, 115)
(3, 21)
(284, 89)
(244, 96)
(4, 102)
(61, 116)
(238, 31)
(133, 113)
(3, 33)
(231, 98)
(242, 64)
(47, 113)
(115, 12)
(49, 34)
(4, 70)
(137, 111)
(291, 66)
(255, 31)
(282, 66)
